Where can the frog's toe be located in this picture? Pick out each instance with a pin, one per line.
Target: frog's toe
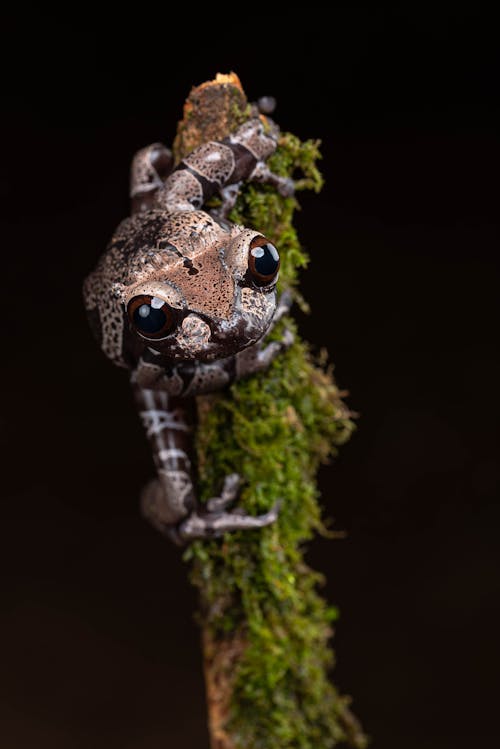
(228, 495)
(212, 525)
(286, 188)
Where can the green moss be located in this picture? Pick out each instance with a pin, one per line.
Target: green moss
(275, 429)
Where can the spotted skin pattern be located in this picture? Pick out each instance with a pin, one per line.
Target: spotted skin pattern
(194, 267)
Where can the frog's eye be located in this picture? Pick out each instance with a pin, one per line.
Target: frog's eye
(151, 316)
(263, 261)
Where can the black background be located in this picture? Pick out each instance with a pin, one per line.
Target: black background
(98, 647)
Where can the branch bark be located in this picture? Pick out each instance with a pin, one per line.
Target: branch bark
(265, 629)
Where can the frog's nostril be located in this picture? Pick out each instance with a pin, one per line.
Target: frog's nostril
(194, 328)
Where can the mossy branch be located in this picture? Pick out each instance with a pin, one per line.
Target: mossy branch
(266, 630)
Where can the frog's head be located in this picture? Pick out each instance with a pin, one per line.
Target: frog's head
(183, 287)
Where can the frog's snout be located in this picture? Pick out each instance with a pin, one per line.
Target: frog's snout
(195, 329)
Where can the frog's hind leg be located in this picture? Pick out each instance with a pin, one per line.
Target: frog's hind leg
(149, 169)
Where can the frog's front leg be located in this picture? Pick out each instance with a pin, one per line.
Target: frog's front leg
(169, 502)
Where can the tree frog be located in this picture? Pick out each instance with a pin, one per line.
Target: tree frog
(184, 298)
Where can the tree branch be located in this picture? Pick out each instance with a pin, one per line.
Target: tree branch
(265, 629)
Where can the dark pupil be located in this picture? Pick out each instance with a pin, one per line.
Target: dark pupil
(266, 259)
(147, 319)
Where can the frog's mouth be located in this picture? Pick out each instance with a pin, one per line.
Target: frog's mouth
(201, 339)
(221, 341)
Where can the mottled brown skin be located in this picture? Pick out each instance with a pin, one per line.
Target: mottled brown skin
(198, 272)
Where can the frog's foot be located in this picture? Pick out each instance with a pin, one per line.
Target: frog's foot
(228, 195)
(284, 185)
(227, 496)
(152, 503)
(214, 519)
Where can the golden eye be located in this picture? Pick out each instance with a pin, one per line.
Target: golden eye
(151, 316)
(263, 261)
